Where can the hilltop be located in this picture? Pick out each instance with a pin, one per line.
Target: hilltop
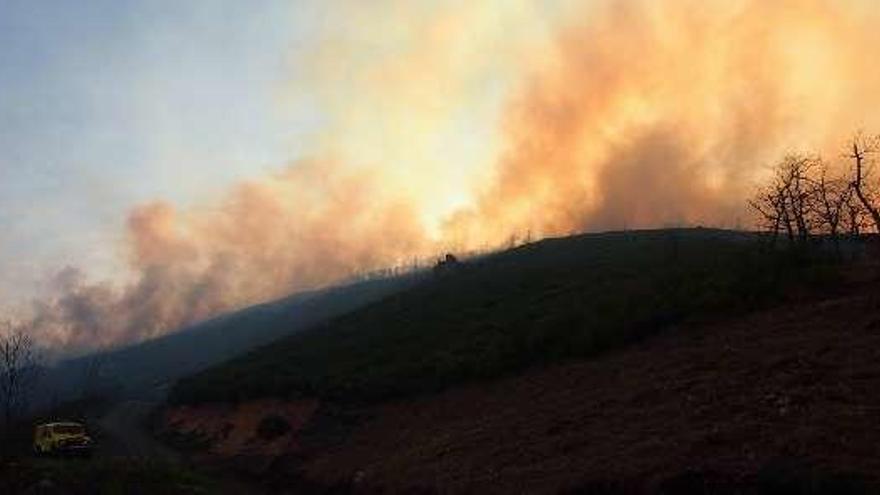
(536, 304)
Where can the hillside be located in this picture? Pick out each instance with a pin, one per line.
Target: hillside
(676, 361)
(536, 304)
(781, 400)
(147, 367)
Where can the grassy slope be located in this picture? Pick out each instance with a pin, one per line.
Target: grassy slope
(536, 304)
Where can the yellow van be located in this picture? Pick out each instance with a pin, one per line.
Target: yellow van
(62, 438)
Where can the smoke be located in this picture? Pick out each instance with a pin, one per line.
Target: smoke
(459, 126)
(656, 113)
(302, 228)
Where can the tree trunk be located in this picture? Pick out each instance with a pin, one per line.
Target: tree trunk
(859, 156)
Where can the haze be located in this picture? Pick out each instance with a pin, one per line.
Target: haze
(163, 164)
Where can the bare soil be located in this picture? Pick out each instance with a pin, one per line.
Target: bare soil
(226, 430)
(789, 395)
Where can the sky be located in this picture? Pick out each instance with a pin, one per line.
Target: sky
(129, 128)
(106, 104)
(162, 162)
(109, 104)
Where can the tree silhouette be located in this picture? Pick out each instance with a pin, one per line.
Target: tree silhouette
(788, 201)
(862, 147)
(19, 371)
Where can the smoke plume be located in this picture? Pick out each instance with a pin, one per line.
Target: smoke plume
(657, 113)
(492, 120)
(302, 228)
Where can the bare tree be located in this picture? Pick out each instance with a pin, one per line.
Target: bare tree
(788, 201)
(19, 371)
(804, 198)
(768, 204)
(862, 148)
(854, 215)
(797, 170)
(832, 200)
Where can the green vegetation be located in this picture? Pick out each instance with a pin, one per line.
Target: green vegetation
(535, 304)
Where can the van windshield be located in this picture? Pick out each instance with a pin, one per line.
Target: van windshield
(68, 429)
